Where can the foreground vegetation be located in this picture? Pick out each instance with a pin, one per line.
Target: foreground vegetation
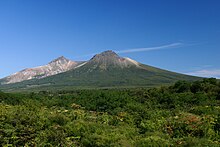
(185, 114)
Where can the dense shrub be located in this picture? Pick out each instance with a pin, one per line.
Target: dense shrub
(185, 114)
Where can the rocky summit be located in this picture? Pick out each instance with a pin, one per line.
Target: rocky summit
(108, 59)
(56, 66)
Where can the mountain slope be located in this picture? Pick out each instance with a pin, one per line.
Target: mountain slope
(105, 70)
(109, 59)
(56, 66)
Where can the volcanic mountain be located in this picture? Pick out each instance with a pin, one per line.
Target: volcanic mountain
(106, 69)
(109, 59)
(56, 66)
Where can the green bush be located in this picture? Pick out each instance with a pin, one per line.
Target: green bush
(183, 114)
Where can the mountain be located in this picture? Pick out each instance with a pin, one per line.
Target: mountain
(56, 66)
(106, 69)
(110, 59)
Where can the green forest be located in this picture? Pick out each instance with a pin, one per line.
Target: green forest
(183, 114)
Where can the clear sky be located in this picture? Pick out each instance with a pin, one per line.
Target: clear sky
(177, 35)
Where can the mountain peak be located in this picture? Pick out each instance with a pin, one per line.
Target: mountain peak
(59, 65)
(61, 58)
(108, 53)
(109, 59)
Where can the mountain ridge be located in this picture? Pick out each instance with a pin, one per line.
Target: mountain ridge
(106, 69)
(56, 66)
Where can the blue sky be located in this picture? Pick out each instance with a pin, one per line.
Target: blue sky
(181, 36)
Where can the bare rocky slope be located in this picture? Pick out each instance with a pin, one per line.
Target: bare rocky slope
(56, 66)
(109, 58)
